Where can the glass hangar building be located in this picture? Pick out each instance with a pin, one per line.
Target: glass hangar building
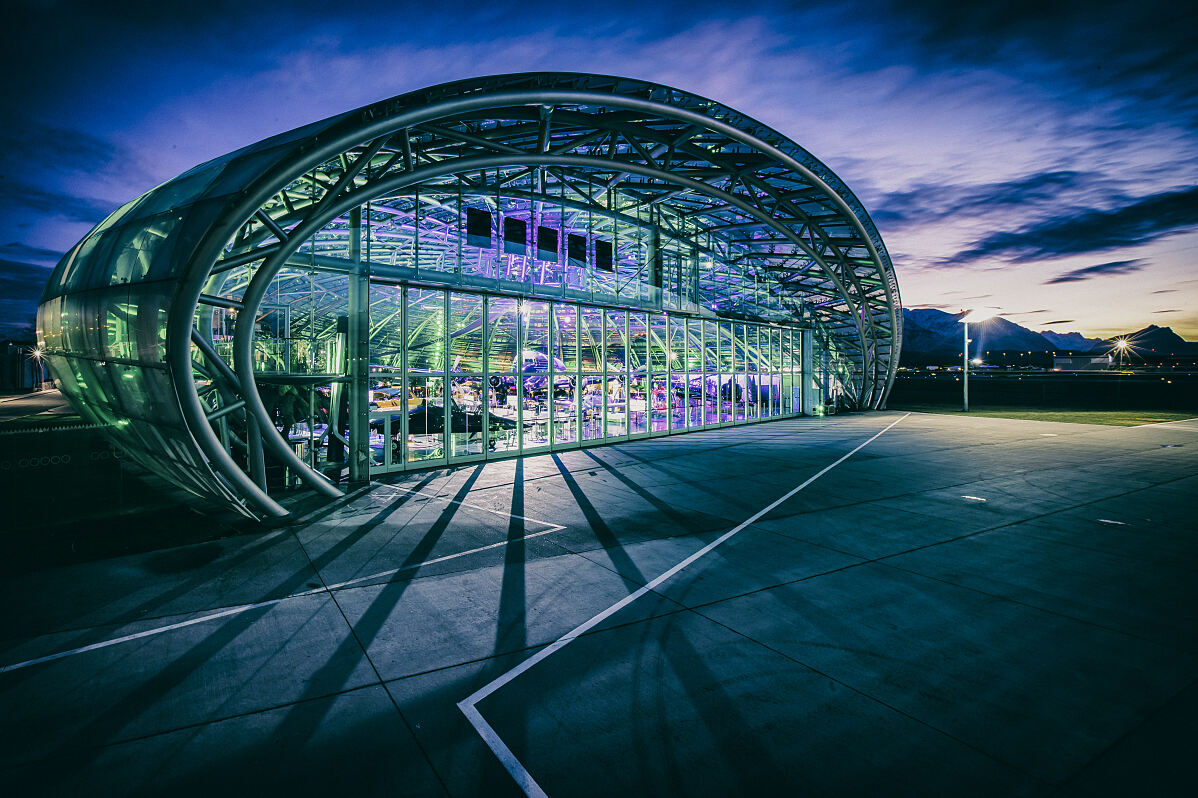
(486, 268)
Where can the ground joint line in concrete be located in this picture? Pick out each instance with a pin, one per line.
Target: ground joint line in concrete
(240, 608)
(468, 705)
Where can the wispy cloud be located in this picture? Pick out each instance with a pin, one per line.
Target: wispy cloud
(21, 286)
(927, 203)
(1172, 310)
(20, 251)
(1140, 222)
(17, 196)
(1098, 270)
(1060, 321)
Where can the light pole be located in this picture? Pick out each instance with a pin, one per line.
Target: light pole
(965, 372)
(965, 314)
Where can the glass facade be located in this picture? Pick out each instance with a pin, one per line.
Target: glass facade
(460, 273)
(540, 376)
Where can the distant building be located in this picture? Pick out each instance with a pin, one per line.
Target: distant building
(1081, 362)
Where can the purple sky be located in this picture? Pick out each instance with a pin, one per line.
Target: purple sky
(1037, 157)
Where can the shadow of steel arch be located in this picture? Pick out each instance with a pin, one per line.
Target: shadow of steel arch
(126, 320)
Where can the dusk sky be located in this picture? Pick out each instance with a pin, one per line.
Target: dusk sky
(1036, 157)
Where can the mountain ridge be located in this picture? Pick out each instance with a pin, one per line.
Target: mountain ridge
(930, 334)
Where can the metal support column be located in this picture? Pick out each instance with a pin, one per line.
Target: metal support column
(359, 354)
(806, 375)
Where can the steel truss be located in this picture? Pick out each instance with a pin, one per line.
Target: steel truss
(692, 176)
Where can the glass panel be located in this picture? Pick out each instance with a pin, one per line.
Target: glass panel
(426, 330)
(755, 339)
(502, 315)
(677, 398)
(796, 365)
(386, 339)
(387, 403)
(535, 357)
(565, 320)
(592, 407)
(740, 348)
(659, 344)
(711, 375)
(659, 401)
(638, 343)
(615, 347)
(426, 418)
(466, 417)
(536, 412)
(694, 346)
(466, 333)
(676, 345)
(565, 406)
(616, 406)
(591, 331)
(727, 359)
(638, 406)
(501, 420)
(740, 395)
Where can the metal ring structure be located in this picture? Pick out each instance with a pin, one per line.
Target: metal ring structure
(126, 321)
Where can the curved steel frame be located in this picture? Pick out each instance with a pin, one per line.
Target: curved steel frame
(767, 203)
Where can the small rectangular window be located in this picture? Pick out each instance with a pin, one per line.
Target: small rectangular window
(515, 236)
(603, 255)
(478, 227)
(547, 244)
(577, 246)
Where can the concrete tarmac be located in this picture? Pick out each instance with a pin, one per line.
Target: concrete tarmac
(965, 606)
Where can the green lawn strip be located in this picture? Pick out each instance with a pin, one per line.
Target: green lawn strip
(1115, 418)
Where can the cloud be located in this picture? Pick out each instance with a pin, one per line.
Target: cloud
(1143, 221)
(21, 286)
(22, 281)
(1060, 321)
(926, 203)
(1141, 52)
(16, 196)
(1098, 270)
(1173, 310)
(1166, 291)
(30, 142)
(15, 249)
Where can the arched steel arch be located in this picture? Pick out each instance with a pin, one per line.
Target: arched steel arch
(743, 192)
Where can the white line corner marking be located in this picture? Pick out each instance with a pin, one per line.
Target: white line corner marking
(468, 705)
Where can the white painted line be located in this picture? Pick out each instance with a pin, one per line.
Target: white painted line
(137, 636)
(246, 607)
(468, 705)
(1163, 423)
